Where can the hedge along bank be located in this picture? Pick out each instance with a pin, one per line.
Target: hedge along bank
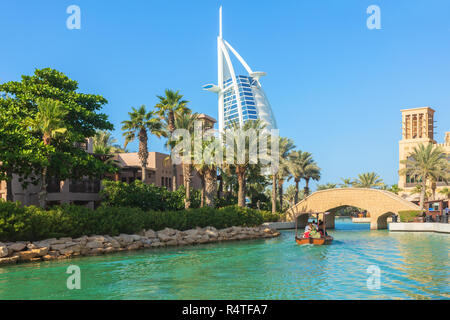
(409, 215)
(19, 223)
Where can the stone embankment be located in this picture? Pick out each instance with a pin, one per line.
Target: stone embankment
(64, 248)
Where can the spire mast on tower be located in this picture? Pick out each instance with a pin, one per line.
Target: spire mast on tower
(220, 22)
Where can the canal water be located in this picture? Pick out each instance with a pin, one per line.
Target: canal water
(410, 266)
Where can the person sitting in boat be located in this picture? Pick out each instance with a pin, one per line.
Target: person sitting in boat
(314, 234)
(321, 229)
(308, 229)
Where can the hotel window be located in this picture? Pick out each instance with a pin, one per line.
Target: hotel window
(162, 181)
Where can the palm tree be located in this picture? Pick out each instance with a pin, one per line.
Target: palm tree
(307, 167)
(104, 143)
(395, 189)
(292, 195)
(140, 122)
(346, 183)
(283, 174)
(368, 180)
(49, 122)
(206, 167)
(302, 166)
(185, 119)
(167, 106)
(244, 155)
(229, 178)
(446, 192)
(426, 163)
(418, 190)
(326, 186)
(285, 146)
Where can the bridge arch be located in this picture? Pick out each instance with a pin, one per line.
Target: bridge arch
(380, 203)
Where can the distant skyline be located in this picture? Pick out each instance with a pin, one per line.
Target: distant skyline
(336, 87)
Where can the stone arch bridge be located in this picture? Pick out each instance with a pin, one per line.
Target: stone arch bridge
(380, 204)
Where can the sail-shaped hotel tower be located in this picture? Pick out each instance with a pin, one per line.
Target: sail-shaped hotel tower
(252, 103)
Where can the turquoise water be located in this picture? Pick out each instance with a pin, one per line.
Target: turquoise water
(412, 265)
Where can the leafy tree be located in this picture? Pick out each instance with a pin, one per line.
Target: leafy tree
(24, 160)
(140, 122)
(256, 184)
(64, 158)
(167, 106)
(426, 163)
(368, 180)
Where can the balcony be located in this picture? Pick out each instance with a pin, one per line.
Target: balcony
(54, 186)
(84, 186)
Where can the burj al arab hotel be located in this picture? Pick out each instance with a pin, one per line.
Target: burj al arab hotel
(241, 97)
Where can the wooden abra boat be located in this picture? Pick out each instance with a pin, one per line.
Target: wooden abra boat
(324, 240)
(316, 241)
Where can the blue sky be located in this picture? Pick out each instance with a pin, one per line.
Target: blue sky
(336, 87)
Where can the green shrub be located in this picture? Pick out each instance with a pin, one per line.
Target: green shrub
(409, 215)
(268, 216)
(146, 197)
(32, 223)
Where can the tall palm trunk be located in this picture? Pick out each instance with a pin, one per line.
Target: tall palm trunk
(143, 153)
(274, 193)
(43, 192)
(240, 171)
(220, 190)
(171, 125)
(306, 190)
(211, 186)
(433, 190)
(203, 190)
(280, 193)
(296, 191)
(9, 190)
(187, 169)
(423, 193)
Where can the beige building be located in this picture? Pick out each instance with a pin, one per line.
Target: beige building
(86, 191)
(417, 128)
(159, 170)
(82, 192)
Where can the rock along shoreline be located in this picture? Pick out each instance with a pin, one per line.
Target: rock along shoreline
(66, 248)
